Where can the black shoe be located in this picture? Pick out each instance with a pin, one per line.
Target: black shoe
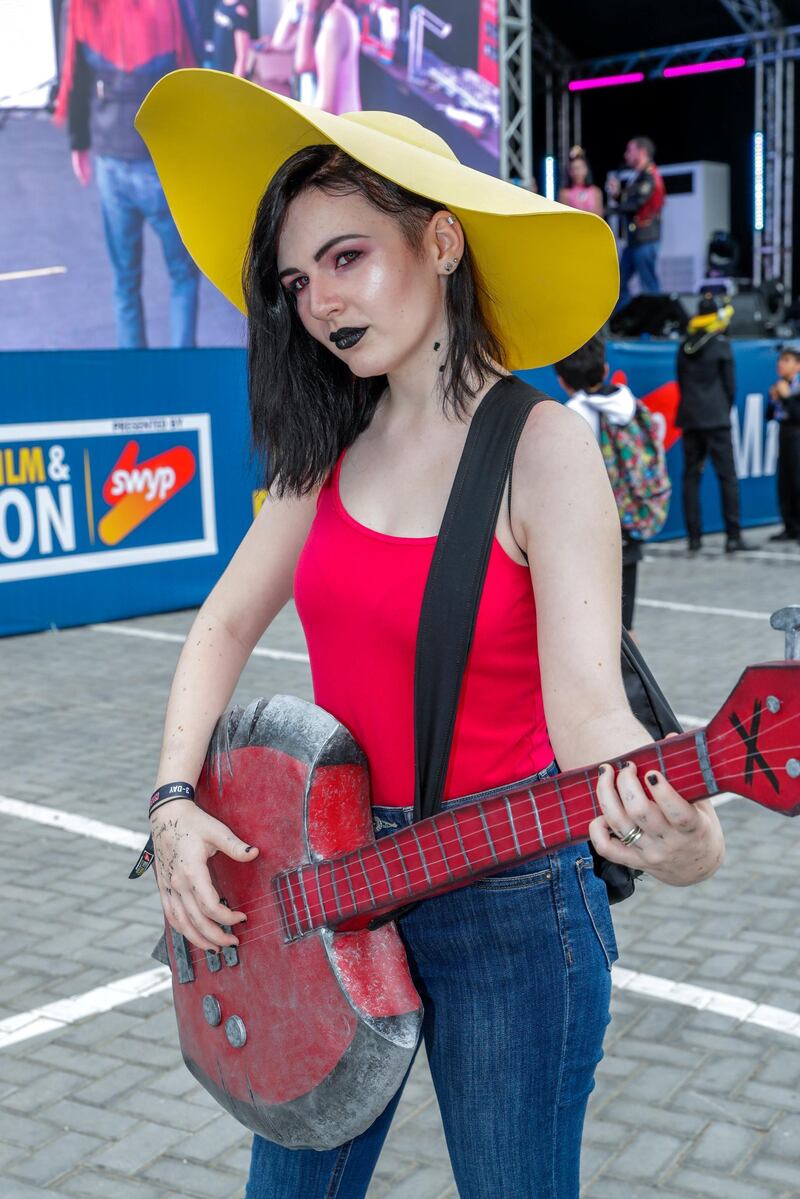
(734, 545)
(695, 545)
(782, 536)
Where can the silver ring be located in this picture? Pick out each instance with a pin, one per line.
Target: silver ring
(632, 836)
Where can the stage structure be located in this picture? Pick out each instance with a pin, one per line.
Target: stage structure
(771, 49)
(516, 90)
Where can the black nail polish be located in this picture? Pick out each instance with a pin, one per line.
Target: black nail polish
(652, 779)
(630, 763)
(248, 848)
(602, 769)
(436, 345)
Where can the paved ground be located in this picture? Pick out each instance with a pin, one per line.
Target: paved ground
(688, 1103)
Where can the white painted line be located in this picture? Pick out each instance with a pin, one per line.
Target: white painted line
(123, 630)
(744, 1011)
(63, 1012)
(9, 276)
(787, 555)
(71, 823)
(704, 610)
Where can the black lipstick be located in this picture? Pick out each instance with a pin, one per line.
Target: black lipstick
(345, 338)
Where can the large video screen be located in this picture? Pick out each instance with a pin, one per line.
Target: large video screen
(89, 255)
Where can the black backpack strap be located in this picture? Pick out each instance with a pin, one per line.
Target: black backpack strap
(455, 580)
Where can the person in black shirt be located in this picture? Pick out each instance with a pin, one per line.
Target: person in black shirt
(784, 407)
(232, 25)
(708, 387)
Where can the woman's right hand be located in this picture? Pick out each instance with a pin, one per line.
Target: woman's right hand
(184, 838)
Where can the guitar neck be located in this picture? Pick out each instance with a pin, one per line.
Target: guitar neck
(454, 847)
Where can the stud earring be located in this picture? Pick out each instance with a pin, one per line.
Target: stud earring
(436, 345)
(448, 266)
(451, 220)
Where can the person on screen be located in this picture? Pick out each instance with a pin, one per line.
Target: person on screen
(114, 54)
(327, 54)
(580, 192)
(232, 41)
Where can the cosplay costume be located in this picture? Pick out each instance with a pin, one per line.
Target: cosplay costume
(536, 940)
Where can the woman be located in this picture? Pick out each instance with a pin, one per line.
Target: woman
(328, 47)
(581, 193)
(379, 319)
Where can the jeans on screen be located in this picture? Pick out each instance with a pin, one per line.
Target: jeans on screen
(514, 974)
(130, 194)
(641, 261)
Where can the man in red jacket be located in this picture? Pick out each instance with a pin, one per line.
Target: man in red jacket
(115, 51)
(640, 202)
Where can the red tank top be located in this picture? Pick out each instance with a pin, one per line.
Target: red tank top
(359, 596)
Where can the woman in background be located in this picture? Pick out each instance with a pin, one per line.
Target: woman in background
(327, 54)
(580, 191)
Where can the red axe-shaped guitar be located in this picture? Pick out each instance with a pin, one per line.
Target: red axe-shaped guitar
(305, 1030)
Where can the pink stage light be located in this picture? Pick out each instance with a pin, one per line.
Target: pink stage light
(582, 85)
(702, 68)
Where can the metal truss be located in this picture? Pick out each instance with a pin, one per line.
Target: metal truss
(771, 49)
(516, 89)
(754, 16)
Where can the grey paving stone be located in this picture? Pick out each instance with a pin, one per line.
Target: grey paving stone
(84, 1117)
(55, 1159)
(191, 1179)
(86, 1184)
(646, 1156)
(23, 1130)
(709, 1185)
(12, 1189)
(723, 1147)
(43, 1091)
(136, 1149)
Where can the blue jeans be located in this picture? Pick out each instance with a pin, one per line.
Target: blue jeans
(514, 973)
(641, 261)
(130, 194)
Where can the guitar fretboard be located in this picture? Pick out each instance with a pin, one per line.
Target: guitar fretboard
(461, 844)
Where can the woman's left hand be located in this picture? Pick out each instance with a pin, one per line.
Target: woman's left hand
(681, 842)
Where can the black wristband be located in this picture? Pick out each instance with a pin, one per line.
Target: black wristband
(168, 792)
(172, 791)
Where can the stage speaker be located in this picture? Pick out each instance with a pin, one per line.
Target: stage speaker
(657, 314)
(760, 312)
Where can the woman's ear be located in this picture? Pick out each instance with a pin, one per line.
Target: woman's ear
(447, 241)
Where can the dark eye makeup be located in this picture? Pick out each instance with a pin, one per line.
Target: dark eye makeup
(349, 257)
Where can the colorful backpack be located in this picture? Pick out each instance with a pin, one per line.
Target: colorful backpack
(637, 467)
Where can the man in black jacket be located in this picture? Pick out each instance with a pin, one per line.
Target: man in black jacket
(784, 407)
(707, 385)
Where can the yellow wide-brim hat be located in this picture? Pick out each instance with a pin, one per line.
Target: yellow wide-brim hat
(216, 140)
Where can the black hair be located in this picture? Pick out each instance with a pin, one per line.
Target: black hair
(573, 157)
(306, 406)
(647, 144)
(585, 367)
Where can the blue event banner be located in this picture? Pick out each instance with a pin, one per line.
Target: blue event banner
(126, 482)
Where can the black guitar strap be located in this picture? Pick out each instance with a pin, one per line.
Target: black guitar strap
(455, 581)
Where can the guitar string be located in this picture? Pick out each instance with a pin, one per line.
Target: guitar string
(361, 890)
(579, 784)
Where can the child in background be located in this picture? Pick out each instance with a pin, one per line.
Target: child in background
(583, 376)
(784, 407)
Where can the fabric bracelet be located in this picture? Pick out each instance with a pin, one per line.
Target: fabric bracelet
(171, 791)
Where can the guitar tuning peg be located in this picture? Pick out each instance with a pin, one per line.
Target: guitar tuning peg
(788, 620)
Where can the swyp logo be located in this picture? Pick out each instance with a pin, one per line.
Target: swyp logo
(135, 490)
(90, 494)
